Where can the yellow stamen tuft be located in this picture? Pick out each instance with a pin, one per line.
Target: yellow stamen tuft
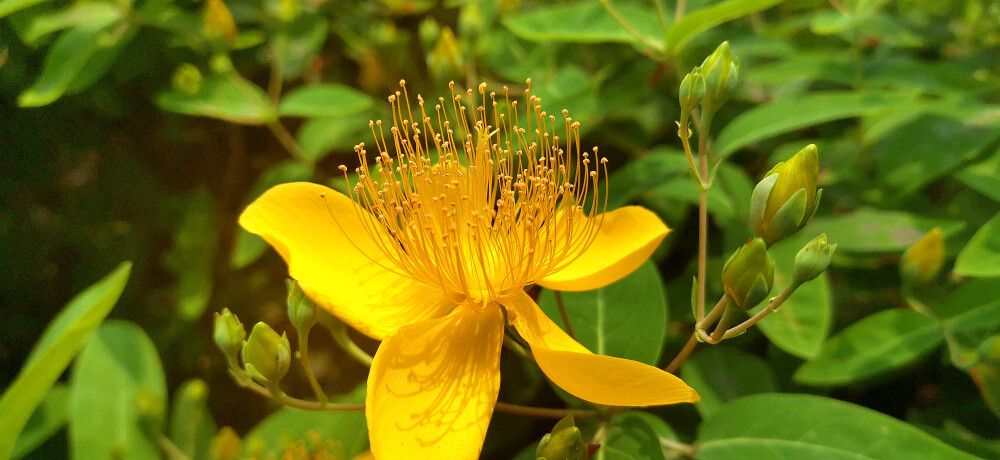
(473, 202)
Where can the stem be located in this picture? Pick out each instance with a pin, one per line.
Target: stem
(544, 412)
(720, 329)
(170, 449)
(661, 14)
(565, 317)
(692, 342)
(655, 47)
(684, 353)
(688, 450)
(276, 79)
(304, 359)
(288, 141)
(518, 409)
(703, 131)
(679, 10)
(338, 330)
(771, 306)
(517, 348)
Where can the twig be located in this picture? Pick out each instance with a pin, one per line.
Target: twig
(288, 141)
(304, 359)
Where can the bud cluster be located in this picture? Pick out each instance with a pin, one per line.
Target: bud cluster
(711, 83)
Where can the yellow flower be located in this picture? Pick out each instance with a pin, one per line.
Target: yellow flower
(433, 249)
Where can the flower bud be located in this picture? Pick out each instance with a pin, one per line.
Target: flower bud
(226, 445)
(445, 59)
(301, 309)
(813, 259)
(786, 198)
(187, 79)
(748, 275)
(229, 336)
(922, 261)
(266, 355)
(563, 443)
(692, 90)
(721, 72)
(218, 21)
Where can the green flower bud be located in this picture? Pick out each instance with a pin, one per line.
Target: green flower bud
(692, 90)
(302, 310)
(266, 355)
(187, 79)
(229, 336)
(721, 73)
(563, 443)
(922, 261)
(748, 275)
(785, 200)
(813, 259)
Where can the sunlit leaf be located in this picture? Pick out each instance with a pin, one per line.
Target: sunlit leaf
(626, 319)
(59, 344)
(786, 115)
(325, 100)
(721, 374)
(49, 417)
(875, 345)
(701, 20)
(123, 422)
(879, 231)
(981, 256)
(583, 22)
(227, 97)
(791, 426)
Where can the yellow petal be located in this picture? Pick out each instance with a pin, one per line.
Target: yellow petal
(628, 236)
(433, 385)
(336, 262)
(596, 378)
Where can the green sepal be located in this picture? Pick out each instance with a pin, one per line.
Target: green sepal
(788, 219)
(758, 200)
(758, 291)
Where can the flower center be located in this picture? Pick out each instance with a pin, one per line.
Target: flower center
(483, 206)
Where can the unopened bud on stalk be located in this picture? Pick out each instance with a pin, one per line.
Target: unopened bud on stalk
(301, 309)
(229, 336)
(813, 259)
(786, 198)
(721, 72)
(266, 355)
(218, 21)
(187, 79)
(748, 275)
(563, 443)
(692, 90)
(922, 261)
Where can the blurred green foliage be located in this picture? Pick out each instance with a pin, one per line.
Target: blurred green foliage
(138, 130)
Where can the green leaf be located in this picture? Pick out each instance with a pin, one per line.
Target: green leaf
(973, 307)
(981, 257)
(191, 258)
(319, 136)
(226, 97)
(11, 6)
(627, 319)
(297, 43)
(791, 426)
(634, 435)
(680, 33)
(67, 57)
(325, 100)
(802, 323)
(118, 395)
(986, 373)
(945, 144)
(49, 417)
(59, 344)
(875, 345)
(721, 374)
(45, 24)
(191, 424)
(583, 22)
(287, 425)
(248, 247)
(880, 231)
(786, 115)
(983, 177)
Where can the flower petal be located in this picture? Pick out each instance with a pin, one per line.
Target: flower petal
(337, 262)
(433, 385)
(596, 378)
(628, 236)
